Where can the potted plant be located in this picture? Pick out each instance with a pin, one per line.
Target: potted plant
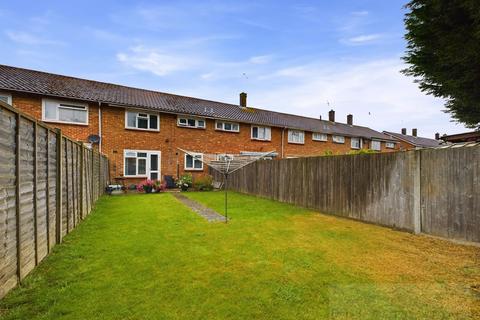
(184, 182)
(146, 186)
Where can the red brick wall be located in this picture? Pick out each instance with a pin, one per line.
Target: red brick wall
(115, 138)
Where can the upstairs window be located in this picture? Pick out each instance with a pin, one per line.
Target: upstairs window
(376, 145)
(356, 143)
(141, 121)
(316, 136)
(190, 122)
(390, 145)
(338, 139)
(194, 161)
(261, 133)
(66, 112)
(296, 136)
(227, 126)
(5, 97)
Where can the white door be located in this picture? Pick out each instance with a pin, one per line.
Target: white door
(154, 166)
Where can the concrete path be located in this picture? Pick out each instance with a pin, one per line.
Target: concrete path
(207, 213)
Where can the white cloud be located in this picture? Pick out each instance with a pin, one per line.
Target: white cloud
(155, 60)
(27, 38)
(260, 59)
(376, 93)
(365, 38)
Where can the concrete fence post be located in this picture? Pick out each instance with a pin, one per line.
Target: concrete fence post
(417, 196)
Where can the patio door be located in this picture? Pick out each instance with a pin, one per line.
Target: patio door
(154, 166)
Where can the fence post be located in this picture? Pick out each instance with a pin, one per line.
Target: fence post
(35, 189)
(417, 227)
(47, 192)
(100, 180)
(81, 183)
(58, 227)
(17, 196)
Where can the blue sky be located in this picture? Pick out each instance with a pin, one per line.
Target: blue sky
(302, 57)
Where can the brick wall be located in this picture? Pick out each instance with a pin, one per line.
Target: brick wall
(115, 138)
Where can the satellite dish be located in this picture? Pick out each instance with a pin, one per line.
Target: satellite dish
(94, 138)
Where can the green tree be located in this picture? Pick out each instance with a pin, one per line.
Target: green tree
(443, 54)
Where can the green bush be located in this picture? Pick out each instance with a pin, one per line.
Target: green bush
(185, 181)
(362, 151)
(204, 183)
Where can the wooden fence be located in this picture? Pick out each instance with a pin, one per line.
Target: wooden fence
(48, 184)
(435, 191)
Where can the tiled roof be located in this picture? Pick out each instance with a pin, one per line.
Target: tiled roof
(416, 141)
(25, 80)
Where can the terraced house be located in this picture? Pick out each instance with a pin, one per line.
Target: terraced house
(140, 130)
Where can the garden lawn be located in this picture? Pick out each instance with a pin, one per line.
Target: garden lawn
(150, 257)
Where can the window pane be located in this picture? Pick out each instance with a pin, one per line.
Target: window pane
(153, 121)
(201, 123)
(154, 162)
(198, 164)
(191, 122)
(142, 154)
(4, 99)
(50, 110)
(188, 161)
(182, 121)
(219, 125)
(142, 123)
(227, 126)
(72, 115)
(255, 132)
(130, 166)
(154, 176)
(235, 127)
(268, 134)
(131, 119)
(142, 166)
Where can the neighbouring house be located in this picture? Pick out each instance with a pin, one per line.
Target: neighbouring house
(473, 136)
(413, 141)
(140, 130)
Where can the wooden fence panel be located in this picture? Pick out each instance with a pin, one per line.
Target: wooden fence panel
(8, 224)
(41, 191)
(450, 184)
(27, 212)
(32, 190)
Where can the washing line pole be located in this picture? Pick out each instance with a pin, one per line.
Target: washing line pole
(226, 190)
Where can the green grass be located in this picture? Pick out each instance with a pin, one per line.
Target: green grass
(150, 257)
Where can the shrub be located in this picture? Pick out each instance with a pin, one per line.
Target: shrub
(362, 151)
(145, 186)
(185, 181)
(204, 183)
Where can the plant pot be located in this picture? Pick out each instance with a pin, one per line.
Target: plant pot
(148, 189)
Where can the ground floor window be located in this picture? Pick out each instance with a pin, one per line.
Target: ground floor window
(194, 161)
(142, 163)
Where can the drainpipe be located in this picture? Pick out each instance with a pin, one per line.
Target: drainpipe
(100, 126)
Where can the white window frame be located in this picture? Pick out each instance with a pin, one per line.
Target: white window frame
(138, 112)
(379, 144)
(324, 136)
(197, 156)
(290, 135)
(197, 126)
(58, 105)
(222, 123)
(390, 145)
(360, 144)
(8, 95)
(338, 139)
(148, 165)
(267, 137)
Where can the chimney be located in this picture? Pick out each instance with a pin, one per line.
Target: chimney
(404, 131)
(414, 132)
(437, 136)
(243, 100)
(350, 119)
(320, 117)
(331, 115)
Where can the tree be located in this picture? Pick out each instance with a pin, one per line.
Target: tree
(443, 54)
